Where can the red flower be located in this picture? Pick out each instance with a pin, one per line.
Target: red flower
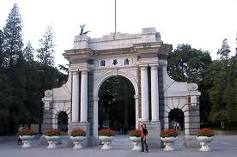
(106, 132)
(26, 131)
(52, 132)
(205, 132)
(78, 132)
(135, 132)
(168, 133)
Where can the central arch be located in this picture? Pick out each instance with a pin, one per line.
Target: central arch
(117, 105)
(98, 81)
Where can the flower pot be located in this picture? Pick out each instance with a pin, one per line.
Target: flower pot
(204, 142)
(106, 141)
(169, 143)
(77, 141)
(136, 143)
(52, 140)
(26, 140)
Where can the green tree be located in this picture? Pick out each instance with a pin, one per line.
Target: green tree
(230, 94)
(1, 49)
(222, 75)
(46, 49)
(12, 68)
(188, 65)
(22, 85)
(224, 91)
(12, 44)
(216, 76)
(28, 52)
(225, 50)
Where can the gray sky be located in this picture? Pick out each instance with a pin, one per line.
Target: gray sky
(201, 23)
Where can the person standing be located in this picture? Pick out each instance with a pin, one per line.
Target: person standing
(144, 133)
(19, 141)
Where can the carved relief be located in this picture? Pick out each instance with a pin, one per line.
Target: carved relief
(48, 93)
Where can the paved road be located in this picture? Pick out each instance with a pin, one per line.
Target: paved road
(223, 146)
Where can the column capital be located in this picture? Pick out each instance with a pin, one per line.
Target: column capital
(144, 67)
(75, 72)
(83, 67)
(154, 66)
(163, 62)
(84, 71)
(73, 69)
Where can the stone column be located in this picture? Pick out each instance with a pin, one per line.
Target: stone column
(166, 78)
(136, 110)
(166, 120)
(186, 122)
(54, 120)
(75, 96)
(84, 95)
(95, 117)
(154, 94)
(144, 93)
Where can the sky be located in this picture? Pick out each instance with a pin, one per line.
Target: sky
(201, 23)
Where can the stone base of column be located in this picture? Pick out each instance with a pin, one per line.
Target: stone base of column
(83, 125)
(191, 141)
(93, 141)
(153, 138)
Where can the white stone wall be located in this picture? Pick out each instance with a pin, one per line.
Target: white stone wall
(57, 100)
(123, 40)
(183, 96)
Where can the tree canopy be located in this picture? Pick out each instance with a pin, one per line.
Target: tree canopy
(216, 81)
(188, 64)
(46, 49)
(12, 33)
(23, 80)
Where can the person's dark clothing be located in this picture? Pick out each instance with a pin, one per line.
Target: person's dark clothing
(143, 139)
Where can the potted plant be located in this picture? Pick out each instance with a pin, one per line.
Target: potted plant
(106, 136)
(78, 135)
(52, 136)
(135, 137)
(26, 135)
(168, 137)
(205, 136)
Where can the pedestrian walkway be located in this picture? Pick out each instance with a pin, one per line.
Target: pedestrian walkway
(222, 146)
(121, 142)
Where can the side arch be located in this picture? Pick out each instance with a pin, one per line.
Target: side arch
(57, 108)
(177, 103)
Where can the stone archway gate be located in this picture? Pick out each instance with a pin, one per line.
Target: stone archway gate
(142, 59)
